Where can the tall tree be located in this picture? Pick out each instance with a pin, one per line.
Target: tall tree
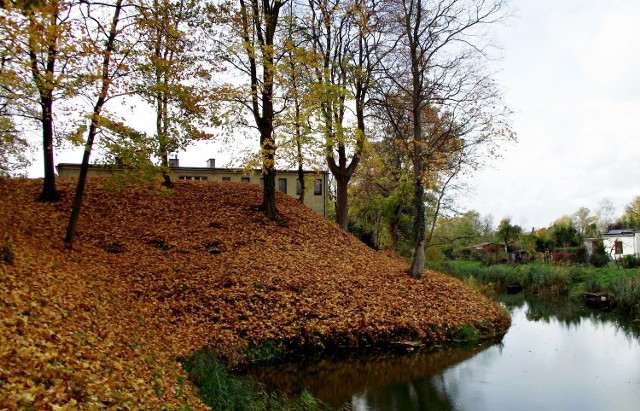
(631, 217)
(110, 66)
(434, 70)
(345, 35)
(248, 43)
(50, 49)
(605, 214)
(508, 233)
(583, 219)
(298, 145)
(13, 145)
(174, 75)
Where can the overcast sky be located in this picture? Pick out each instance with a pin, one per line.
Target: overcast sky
(571, 73)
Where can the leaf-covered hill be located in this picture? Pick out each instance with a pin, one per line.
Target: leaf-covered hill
(154, 277)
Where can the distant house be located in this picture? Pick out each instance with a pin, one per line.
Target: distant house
(316, 183)
(485, 249)
(619, 243)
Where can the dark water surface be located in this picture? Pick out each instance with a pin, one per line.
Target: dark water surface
(555, 356)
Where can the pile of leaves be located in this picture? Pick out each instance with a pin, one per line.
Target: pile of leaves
(156, 276)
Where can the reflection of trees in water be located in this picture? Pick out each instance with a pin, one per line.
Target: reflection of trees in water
(336, 381)
(569, 313)
(417, 381)
(422, 394)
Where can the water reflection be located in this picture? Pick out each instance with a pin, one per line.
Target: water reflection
(388, 379)
(556, 356)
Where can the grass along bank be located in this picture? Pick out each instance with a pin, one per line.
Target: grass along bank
(548, 279)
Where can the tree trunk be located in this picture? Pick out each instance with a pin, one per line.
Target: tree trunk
(49, 193)
(419, 226)
(269, 174)
(77, 199)
(342, 202)
(93, 129)
(302, 183)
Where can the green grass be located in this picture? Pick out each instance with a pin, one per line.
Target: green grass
(222, 390)
(549, 279)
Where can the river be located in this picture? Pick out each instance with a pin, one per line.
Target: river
(556, 356)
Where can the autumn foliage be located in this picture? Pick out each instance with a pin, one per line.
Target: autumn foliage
(156, 276)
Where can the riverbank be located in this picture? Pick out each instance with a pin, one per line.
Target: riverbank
(154, 277)
(623, 285)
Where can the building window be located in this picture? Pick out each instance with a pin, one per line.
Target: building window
(317, 187)
(618, 246)
(226, 178)
(245, 179)
(298, 187)
(282, 185)
(205, 178)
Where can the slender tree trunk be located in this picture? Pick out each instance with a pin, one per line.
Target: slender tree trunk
(161, 131)
(419, 226)
(93, 128)
(77, 199)
(300, 156)
(302, 183)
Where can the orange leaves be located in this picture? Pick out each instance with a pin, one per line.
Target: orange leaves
(102, 326)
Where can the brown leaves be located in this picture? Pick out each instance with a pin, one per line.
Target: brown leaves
(197, 268)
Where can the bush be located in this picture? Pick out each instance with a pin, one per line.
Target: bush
(629, 261)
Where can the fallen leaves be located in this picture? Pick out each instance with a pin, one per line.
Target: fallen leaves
(154, 278)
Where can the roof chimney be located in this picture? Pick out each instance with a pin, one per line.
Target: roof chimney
(211, 163)
(174, 162)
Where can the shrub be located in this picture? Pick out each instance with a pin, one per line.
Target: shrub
(629, 261)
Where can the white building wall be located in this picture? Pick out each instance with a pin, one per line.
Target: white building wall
(630, 244)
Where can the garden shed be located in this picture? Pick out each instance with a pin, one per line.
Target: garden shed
(619, 243)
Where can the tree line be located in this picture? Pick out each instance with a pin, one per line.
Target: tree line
(468, 235)
(394, 96)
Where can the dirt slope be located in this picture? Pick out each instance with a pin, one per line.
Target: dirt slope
(155, 277)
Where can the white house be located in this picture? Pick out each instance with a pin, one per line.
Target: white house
(619, 243)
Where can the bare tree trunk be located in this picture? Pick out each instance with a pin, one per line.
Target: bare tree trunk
(93, 128)
(419, 226)
(49, 192)
(45, 85)
(342, 205)
(259, 21)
